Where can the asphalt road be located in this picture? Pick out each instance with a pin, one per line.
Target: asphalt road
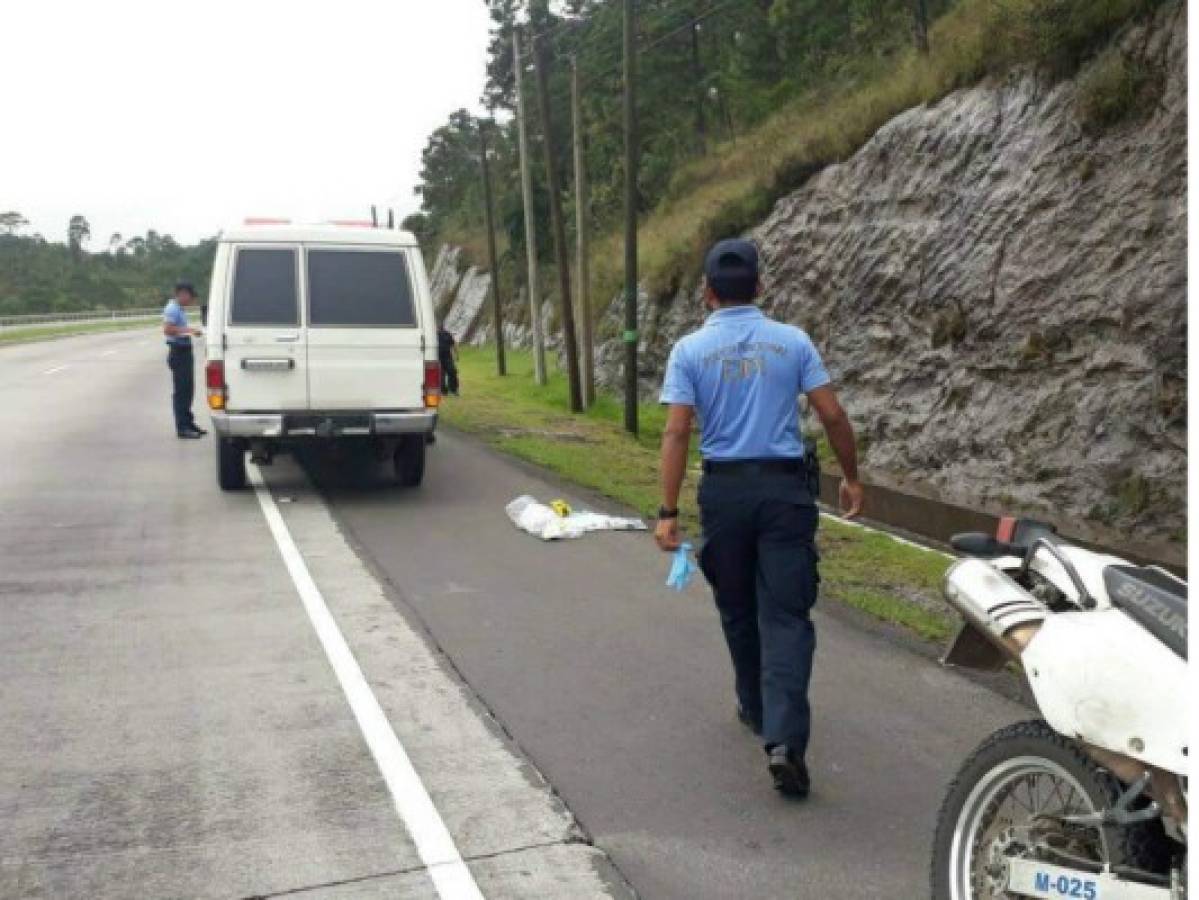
(172, 727)
(620, 691)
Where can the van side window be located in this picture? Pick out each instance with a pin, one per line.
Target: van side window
(264, 288)
(356, 288)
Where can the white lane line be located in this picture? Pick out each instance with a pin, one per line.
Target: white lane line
(451, 877)
(143, 343)
(108, 353)
(55, 369)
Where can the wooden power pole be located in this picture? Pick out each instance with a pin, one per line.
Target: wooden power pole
(501, 367)
(920, 25)
(697, 77)
(558, 227)
(630, 217)
(583, 265)
(526, 185)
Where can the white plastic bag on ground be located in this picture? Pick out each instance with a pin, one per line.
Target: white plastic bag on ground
(541, 521)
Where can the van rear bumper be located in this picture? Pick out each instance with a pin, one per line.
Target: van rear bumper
(340, 424)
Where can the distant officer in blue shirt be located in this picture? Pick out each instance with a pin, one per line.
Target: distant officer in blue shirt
(180, 359)
(741, 374)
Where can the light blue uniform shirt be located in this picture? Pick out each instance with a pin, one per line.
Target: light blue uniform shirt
(173, 314)
(743, 373)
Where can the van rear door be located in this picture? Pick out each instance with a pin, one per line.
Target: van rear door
(266, 359)
(365, 345)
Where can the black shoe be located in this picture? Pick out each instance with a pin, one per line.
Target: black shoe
(192, 434)
(754, 725)
(198, 430)
(789, 773)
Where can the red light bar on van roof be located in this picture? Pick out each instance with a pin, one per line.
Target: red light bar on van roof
(352, 223)
(267, 222)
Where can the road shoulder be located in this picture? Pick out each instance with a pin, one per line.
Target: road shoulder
(515, 834)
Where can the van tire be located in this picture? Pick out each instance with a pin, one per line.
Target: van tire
(230, 464)
(410, 460)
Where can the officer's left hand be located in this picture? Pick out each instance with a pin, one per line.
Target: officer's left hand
(853, 497)
(666, 533)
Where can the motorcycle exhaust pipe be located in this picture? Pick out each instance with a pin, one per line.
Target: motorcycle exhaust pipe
(995, 607)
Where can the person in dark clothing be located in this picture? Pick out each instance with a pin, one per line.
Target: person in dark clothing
(447, 355)
(741, 374)
(180, 359)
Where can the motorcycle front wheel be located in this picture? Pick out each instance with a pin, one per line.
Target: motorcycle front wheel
(1011, 798)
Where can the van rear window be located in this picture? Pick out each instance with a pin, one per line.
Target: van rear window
(356, 288)
(264, 288)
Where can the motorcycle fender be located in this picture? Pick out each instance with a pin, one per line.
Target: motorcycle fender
(1100, 677)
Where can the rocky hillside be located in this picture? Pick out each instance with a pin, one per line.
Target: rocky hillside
(998, 283)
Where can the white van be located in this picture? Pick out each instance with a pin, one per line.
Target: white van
(320, 333)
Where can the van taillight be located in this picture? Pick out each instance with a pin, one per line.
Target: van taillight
(214, 378)
(432, 384)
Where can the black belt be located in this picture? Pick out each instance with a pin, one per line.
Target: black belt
(753, 466)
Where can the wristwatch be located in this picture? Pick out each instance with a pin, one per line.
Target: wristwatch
(664, 513)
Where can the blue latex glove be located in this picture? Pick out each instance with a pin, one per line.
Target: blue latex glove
(682, 569)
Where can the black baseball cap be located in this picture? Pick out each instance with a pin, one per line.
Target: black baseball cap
(186, 286)
(732, 269)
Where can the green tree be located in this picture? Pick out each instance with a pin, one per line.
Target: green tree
(12, 222)
(79, 232)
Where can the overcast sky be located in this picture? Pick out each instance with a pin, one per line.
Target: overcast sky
(187, 115)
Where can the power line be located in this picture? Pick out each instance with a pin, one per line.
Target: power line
(689, 25)
(615, 58)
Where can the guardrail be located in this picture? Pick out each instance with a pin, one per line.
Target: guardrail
(937, 521)
(91, 315)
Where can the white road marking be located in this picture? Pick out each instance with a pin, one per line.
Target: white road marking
(108, 353)
(55, 369)
(451, 877)
(143, 343)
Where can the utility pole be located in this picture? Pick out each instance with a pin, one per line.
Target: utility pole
(920, 25)
(526, 185)
(630, 217)
(583, 265)
(697, 76)
(501, 367)
(559, 229)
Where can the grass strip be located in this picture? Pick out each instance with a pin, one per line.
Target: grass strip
(22, 334)
(867, 570)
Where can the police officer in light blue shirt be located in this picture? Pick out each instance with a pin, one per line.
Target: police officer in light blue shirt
(180, 359)
(741, 376)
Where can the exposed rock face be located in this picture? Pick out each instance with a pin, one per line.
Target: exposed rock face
(446, 274)
(1001, 298)
(468, 302)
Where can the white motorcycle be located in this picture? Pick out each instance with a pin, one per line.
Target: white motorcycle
(1090, 801)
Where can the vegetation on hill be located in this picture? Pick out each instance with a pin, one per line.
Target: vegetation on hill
(38, 276)
(740, 102)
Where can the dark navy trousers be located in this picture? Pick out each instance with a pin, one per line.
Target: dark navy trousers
(759, 555)
(183, 375)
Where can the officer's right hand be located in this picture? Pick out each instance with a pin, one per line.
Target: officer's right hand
(666, 533)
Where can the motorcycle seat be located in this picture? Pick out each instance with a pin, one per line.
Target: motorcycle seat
(1154, 599)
